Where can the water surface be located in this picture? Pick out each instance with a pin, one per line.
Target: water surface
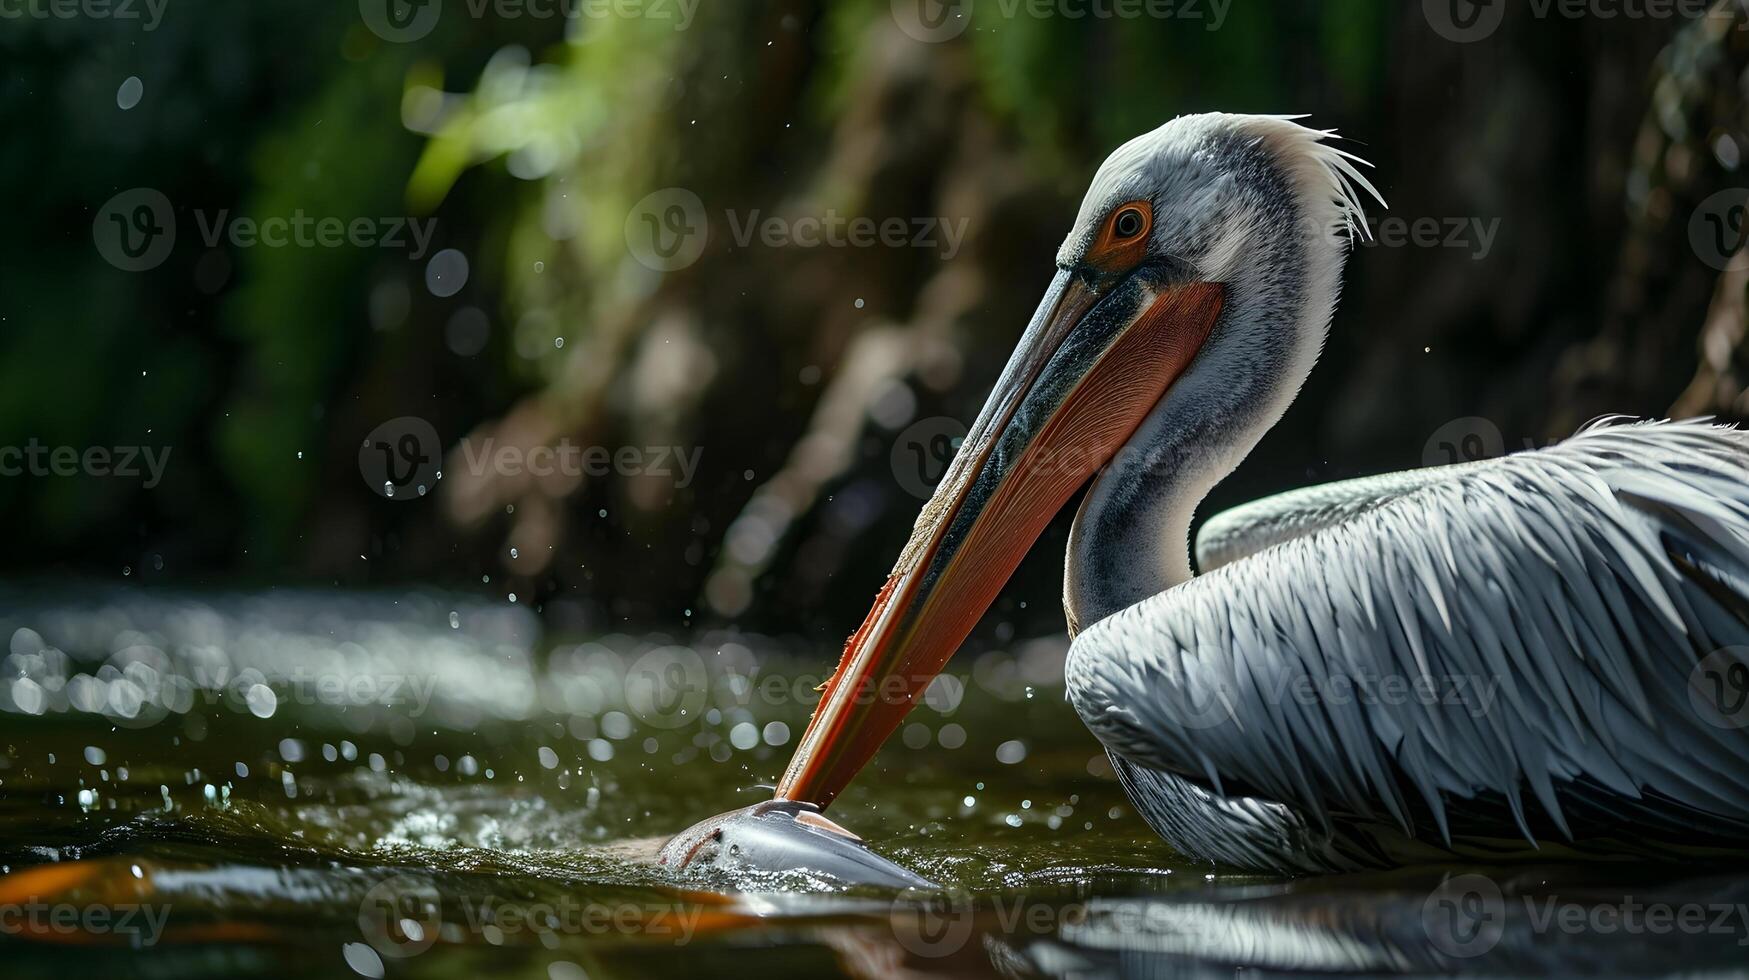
(316, 783)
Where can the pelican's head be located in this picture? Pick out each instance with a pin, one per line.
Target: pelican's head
(1181, 229)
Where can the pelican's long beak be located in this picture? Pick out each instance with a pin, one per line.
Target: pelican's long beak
(1095, 360)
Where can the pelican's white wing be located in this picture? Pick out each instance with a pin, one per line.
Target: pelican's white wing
(1503, 652)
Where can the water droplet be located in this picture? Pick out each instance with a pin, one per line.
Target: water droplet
(130, 92)
(261, 700)
(446, 273)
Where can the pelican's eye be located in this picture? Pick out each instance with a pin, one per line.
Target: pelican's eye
(1123, 242)
(1129, 223)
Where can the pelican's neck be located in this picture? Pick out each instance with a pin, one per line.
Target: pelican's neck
(1131, 538)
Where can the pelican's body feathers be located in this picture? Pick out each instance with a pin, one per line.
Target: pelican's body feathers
(1478, 659)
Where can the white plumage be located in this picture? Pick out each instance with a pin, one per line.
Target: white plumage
(1486, 660)
(1490, 659)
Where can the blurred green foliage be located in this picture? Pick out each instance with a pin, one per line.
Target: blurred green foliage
(528, 141)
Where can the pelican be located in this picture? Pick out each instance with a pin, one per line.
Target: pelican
(1497, 660)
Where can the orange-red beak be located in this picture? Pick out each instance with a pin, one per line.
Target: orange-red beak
(1097, 357)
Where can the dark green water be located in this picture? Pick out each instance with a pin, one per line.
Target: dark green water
(297, 783)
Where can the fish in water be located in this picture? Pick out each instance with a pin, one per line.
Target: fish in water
(782, 835)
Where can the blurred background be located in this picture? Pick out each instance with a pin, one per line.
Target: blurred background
(423, 421)
(667, 311)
